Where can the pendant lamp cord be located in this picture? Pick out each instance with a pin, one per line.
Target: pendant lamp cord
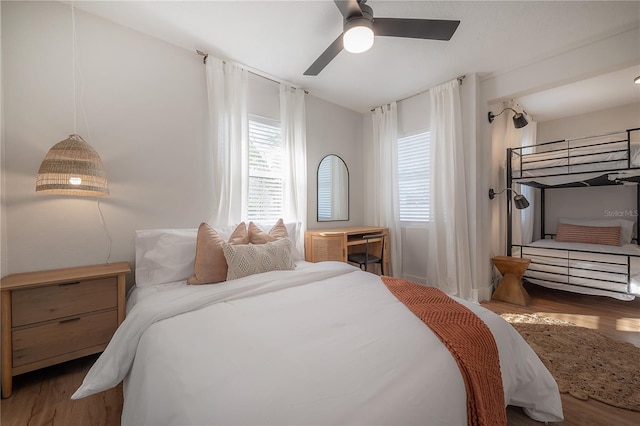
(74, 46)
(106, 230)
(76, 68)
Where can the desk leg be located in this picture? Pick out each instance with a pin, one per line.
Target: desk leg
(510, 290)
(6, 364)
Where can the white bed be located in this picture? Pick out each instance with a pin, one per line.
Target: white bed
(584, 268)
(325, 343)
(583, 155)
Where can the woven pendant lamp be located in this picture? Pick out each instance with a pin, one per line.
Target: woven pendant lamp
(72, 167)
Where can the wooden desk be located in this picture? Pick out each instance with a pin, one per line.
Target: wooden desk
(337, 243)
(510, 287)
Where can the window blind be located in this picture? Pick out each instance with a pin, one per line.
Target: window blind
(414, 186)
(265, 198)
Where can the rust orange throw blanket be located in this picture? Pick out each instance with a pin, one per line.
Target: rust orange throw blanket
(470, 342)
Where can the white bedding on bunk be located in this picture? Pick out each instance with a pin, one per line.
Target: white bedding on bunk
(602, 273)
(575, 160)
(323, 344)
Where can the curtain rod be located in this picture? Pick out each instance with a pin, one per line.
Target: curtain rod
(256, 73)
(462, 77)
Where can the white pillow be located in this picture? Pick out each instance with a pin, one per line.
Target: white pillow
(167, 255)
(626, 226)
(293, 232)
(249, 259)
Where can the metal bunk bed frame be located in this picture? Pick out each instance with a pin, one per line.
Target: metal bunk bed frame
(601, 180)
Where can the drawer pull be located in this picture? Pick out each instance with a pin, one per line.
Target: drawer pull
(69, 320)
(71, 283)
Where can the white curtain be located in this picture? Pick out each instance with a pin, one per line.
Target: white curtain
(381, 182)
(228, 139)
(294, 138)
(449, 259)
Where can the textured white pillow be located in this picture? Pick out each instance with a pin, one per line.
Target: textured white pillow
(168, 255)
(626, 226)
(249, 259)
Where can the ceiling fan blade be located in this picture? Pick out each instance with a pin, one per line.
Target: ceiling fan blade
(434, 29)
(348, 8)
(326, 57)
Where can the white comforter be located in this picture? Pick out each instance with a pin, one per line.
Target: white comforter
(323, 344)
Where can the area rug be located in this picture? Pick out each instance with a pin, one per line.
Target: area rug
(585, 363)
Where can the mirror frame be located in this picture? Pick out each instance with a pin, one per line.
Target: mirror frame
(348, 192)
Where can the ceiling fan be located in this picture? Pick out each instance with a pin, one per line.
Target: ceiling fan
(360, 27)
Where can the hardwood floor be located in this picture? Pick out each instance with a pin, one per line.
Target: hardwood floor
(42, 397)
(615, 318)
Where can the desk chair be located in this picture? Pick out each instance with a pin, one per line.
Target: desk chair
(364, 259)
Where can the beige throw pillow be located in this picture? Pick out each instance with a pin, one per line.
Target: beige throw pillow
(258, 236)
(210, 265)
(249, 259)
(609, 235)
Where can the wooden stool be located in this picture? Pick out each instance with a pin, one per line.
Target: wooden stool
(510, 287)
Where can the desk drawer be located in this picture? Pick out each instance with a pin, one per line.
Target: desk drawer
(63, 300)
(49, 340)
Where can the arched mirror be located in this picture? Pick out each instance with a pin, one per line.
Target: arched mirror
(333, 189)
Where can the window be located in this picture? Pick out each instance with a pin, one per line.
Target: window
(265, 201)
(414, 186)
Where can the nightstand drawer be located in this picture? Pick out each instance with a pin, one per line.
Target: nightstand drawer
(36, 343)
(63, 300)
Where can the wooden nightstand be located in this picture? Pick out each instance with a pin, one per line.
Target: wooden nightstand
(49, 317)
(510, 287)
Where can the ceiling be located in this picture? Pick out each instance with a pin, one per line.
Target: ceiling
(282, 38)
(593, 94)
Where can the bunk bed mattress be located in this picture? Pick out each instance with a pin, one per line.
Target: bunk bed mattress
(584, 268)
(576, 160)
(323, 344)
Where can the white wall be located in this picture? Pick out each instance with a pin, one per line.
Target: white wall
(601, 202)
(145, 103)
(3, 214)
(145, 107)
(332, 129)
(595, 123)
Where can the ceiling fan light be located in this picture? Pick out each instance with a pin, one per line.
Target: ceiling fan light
(358, 39)
(637, 80)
